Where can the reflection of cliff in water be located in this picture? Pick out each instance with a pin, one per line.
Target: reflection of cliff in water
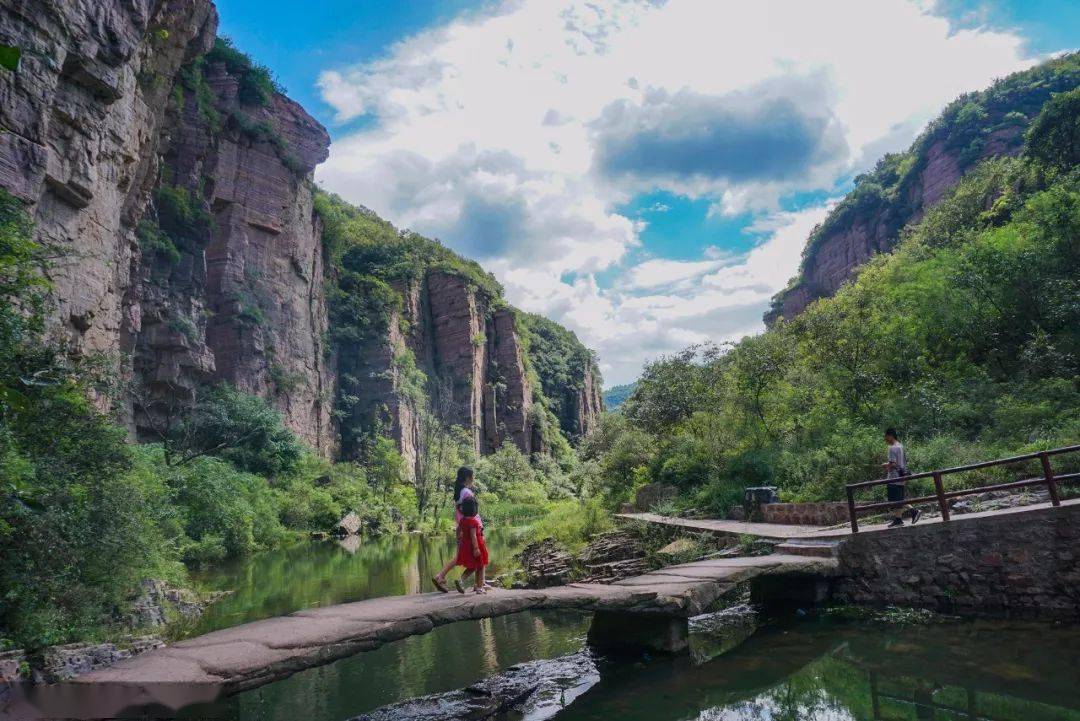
(819, 670)
(319, 574)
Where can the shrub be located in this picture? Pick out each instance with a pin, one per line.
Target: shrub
(78, 529)
(238, 427)
(572, 523)
(256, 82)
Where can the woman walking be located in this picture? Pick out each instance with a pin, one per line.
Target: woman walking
(463, 488)
(472, 551)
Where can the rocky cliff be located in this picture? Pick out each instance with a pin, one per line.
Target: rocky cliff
(473, 366)
(568, 372)
(172, 179)
(81, 120)
(898, 191)
(231, 279)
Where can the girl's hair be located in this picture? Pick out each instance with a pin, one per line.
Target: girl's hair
(469, 507)
(463, 475)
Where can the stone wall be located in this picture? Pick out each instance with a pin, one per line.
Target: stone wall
(653, 494)
(812, 514)
(1024, 562)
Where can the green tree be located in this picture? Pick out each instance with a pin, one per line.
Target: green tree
(1054, 136)
(77, 528)
(672, 388)
(233, 425)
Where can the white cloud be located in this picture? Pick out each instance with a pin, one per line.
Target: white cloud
(659, 272)
(489, 132)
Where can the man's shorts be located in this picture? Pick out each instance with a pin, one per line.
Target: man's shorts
(896, 491)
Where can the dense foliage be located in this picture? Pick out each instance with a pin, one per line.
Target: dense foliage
(86, 516)
(964, 128)
(356, 240)
(561, 363)
(617, 395)
(75, 528)
(966, 337)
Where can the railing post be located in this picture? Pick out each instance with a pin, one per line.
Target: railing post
(939, 488)
(1051, 482)
(851, 510)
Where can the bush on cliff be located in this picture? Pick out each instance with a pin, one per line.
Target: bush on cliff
(235, 426)
(256, 83)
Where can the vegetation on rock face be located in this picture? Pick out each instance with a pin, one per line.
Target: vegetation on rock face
(886, 194)
(966, 338)
(256, 88)
(368, 258)
(561, 363)
(357, 240)
(257, 84)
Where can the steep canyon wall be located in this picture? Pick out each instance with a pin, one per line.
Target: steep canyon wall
(179, 211)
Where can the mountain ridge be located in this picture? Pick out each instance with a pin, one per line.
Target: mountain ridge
(197, 249)
(902, 186)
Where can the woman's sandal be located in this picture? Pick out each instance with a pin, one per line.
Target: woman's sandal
(441, 585)
(458, 586)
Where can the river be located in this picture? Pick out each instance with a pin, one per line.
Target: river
(814, 667)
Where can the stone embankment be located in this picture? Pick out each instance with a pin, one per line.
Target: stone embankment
(1023, 560)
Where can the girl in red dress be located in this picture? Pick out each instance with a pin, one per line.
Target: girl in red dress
(472, 552)
(463, 488)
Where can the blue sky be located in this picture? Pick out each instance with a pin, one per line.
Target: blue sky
(644, 172)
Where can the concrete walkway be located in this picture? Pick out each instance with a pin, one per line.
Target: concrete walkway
(256, 653)
(774, 531)
(779, 531)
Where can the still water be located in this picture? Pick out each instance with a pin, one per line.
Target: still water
(811, 668)
(323, 573)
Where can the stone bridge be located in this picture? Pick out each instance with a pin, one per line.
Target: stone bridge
(649, 610)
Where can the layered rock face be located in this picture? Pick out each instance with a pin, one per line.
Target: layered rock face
(587, 404)
(81, 121)
(244, 304)
(179, 206)
(471, 356)
(841, 253)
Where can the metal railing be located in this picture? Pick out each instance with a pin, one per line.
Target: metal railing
(942, 496)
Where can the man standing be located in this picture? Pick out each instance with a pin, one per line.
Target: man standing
(897, 468)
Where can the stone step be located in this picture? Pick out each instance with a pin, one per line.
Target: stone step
(819, 549)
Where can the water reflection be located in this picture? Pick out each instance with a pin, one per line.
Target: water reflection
(322, 574)
(810, 670)
(821, 671)
(448, 658)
